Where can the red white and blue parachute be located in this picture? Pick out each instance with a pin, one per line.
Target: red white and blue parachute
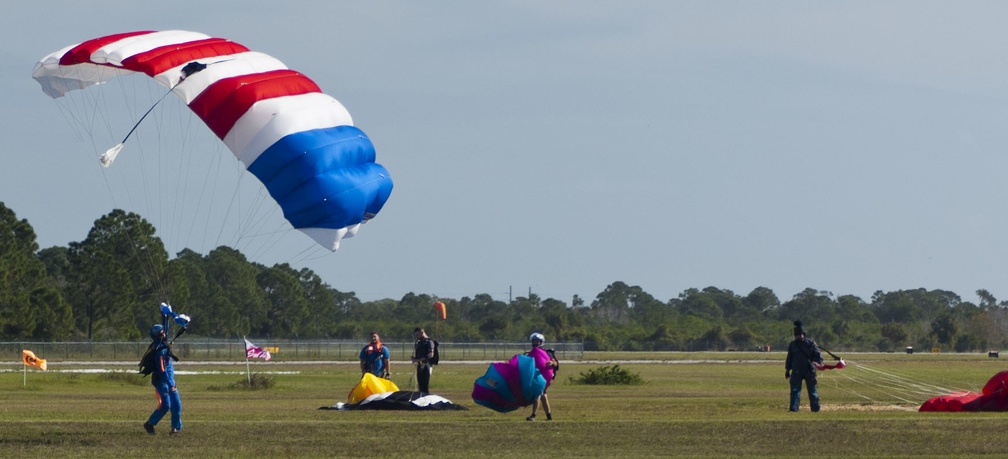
(300, 143)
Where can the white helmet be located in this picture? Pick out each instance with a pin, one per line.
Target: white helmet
(537, 336)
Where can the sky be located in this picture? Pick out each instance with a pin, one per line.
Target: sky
(559, 147)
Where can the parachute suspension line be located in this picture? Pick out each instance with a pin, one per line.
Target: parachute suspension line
(257, 218)
(213, 170)
(110, 155)
(881, 387)
(311, 252)
(183, 167)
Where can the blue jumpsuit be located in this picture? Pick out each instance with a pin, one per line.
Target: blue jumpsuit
(163, 380)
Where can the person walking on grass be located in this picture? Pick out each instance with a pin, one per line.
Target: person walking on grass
(802, 355)
(163, 380)
(547, 364)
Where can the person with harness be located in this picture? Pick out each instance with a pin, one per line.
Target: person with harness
(374, 358)
(548, 370)
(800, 365)
(423, 352)
(163, 380)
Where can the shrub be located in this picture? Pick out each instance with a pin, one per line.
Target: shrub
(608, 375)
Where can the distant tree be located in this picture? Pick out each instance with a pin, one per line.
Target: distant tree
(697, 303)
(286, 306)
(713, 339)
(896, 334)
(809, 305)
(323, 304)
(31, 306)
(944, 329)
(761, 299)
(614, 303)
(240, 302)
(987, 300)
(743, 338)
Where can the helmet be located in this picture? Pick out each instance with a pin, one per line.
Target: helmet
(537, 336)
(156, 330)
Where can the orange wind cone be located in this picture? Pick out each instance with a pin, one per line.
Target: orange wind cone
(31, 361)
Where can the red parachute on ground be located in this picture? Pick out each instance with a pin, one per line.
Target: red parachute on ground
(994, 397)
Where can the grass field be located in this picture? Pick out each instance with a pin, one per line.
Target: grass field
(692, 405)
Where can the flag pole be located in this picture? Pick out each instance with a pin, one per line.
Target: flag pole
(25, 367)
(248, 370)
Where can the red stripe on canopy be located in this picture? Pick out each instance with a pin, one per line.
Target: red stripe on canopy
(166, 57)
(223, 102)
(82, 53)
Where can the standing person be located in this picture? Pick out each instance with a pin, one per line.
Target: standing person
(374, 358)
(163, 380)
(423, 352)
(547, 367)
(802, 354)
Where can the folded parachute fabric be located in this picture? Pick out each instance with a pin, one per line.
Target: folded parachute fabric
(400, 400)
(370, 385)
(993, 397)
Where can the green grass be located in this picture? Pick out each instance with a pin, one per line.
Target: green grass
(691, 405)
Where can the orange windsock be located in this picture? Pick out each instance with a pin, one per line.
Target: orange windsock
(440, 308)
(30, 360)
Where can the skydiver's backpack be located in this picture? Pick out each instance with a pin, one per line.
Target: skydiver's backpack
(149, 361)
(437, 355)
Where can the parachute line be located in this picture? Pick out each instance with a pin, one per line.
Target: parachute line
(110, 155)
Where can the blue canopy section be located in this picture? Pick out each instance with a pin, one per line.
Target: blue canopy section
(324, 178)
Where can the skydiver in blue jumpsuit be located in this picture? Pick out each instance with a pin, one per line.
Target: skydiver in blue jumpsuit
(163, 380)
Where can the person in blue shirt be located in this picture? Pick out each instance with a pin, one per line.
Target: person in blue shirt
(799, 366)
(374, 358)
(163, 380)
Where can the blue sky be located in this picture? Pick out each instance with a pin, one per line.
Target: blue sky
(559, 147)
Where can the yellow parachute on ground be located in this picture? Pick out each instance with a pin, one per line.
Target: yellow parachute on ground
(370, 385)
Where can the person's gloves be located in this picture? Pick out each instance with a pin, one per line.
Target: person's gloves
(787, 374)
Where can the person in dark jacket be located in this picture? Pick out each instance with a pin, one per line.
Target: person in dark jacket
(163, 380)
(423, 352)
(801, 356)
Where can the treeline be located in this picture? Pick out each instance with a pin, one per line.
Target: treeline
(107, 287)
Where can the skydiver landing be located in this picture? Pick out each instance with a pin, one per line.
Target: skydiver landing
(163, 380)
